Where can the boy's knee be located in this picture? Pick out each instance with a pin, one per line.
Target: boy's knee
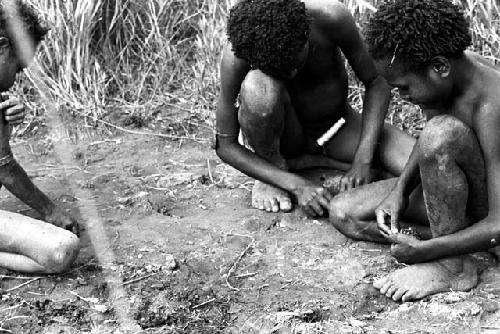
(337, 209)
(261, 95)
(62, 254)
(441, 135)
(340, 216)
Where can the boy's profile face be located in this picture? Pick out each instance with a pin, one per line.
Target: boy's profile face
(10, 64)
(428, 88)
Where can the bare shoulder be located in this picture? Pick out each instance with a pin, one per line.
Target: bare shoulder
(328, 11)
(487, 118)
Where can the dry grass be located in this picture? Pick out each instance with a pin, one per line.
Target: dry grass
(137, 56)
(140, 56)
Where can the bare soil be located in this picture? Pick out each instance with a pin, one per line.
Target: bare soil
(236, 270)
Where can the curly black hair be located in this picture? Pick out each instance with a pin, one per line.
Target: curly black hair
(268, 33)
(29, 18)
(415, 31)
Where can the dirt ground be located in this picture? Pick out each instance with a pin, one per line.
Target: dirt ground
(194, 257)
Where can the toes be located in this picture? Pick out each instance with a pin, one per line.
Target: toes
(409, 296)
(391, 291)
(274, 205)
(268, 206)
(386, 287)
(258, 204)
(378, 284)
(285, 204)
(399, 293)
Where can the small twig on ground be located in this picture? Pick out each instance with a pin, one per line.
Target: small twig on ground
(10, 308)
(159, 189)
(139, 279)
(210, 174)
(16, 317)
(92, 261)
(209, 171)
(204, 303)
(237, 262)
(246, 275)
(17, 277)
(116, 141)
(36, 293)
(24, 284)
(80, 297)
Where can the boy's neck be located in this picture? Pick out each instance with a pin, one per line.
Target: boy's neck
(463, 74)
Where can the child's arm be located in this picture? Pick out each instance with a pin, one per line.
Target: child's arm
(15, 179)
(377, 91)
(394, 205)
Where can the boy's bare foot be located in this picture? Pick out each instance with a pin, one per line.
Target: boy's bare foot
(424, 279)
(269, 198)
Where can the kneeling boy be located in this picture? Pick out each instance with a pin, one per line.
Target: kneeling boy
(26, 244)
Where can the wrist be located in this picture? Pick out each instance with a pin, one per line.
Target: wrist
(48, 210)
(362, 158)
(296, 185)
(424, 250)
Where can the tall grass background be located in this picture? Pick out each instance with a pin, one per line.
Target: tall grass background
(139, 57)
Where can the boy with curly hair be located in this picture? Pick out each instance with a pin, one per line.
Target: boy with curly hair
(26, 244)
(283, 84)
(449, 191)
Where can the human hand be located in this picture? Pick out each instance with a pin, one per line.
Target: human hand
(313, 199)
(63, 220)
(358, 175)
(390, 209)
(13, 110)
(406, 248)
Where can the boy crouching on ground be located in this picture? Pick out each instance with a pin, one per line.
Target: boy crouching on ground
(285, 68)
(26, 244)
(451, 182)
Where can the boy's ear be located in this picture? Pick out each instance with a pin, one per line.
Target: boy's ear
(441, 65)
(4, 44)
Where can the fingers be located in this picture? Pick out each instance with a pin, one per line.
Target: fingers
(350, 182)
(346, 183)
(381, 217)
(10, 102)
(15, 115)
(317, 208)
(13, 111)
(327, 194)
(312, 208)
(394, 222)
(308, 211)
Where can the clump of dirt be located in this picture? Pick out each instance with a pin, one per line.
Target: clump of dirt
(135, 121)
(184, 302)
(74, 313)
(31, 316)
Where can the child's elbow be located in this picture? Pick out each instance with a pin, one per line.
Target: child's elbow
(223, 151)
